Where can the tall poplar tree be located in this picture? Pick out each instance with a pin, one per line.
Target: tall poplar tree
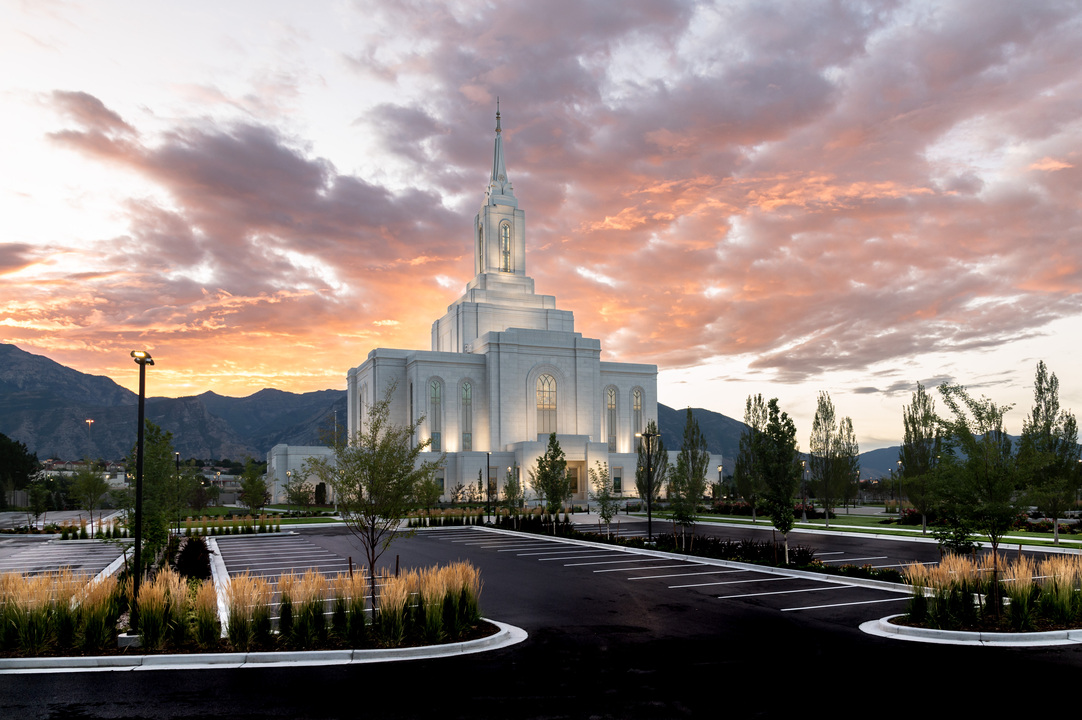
(780, 468)
(834, 455)
(748, 474)
(687, 481)
(919, 454)
(1049, 451)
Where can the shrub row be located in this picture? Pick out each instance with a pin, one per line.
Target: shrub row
(234, 525)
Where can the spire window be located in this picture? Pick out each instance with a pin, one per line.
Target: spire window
(505, 247)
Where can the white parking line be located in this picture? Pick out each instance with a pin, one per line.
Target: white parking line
(864, 602)
(575, 557)
(709, 572)
(835, 552)
(849, 560)
(656, 567)
(516, 548)
(733, 582)
(554, 552)
(609, 562)
(784, 592)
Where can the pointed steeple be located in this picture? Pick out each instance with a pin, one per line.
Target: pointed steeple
(499, 189)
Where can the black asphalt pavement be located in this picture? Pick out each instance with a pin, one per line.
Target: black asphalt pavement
(612, 635)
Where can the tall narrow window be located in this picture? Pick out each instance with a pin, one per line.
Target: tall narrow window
(413, 430)
(361, 400)
(610, 416)
(480, 249)
(636, 406)
(546, 404)
(505, 247)
(467, 417)
(435, 410)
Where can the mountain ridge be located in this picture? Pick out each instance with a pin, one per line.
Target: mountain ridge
(38, 409)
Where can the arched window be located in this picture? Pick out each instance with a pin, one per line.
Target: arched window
(435, 414)
(610, 416)
(636, 411)
(505, 247)
(546, 404)
(467, 417)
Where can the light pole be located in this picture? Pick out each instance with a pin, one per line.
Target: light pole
(176, 456)
(647, 439)
(899, 476)
(488, 483)
(803, 491)
(142, 358)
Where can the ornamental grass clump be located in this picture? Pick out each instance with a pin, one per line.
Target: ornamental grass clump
(916, 574)
(66, 587)
(261, 612)
(151, 604)
(1022, 591)
(175, 589)
(1058, 577)
(99, 605)
(208, 629)
(240, 599)
(310, 624)
(356, 589)
(390, 621)
(32, 614)
(8, 628)
(287, 582)
(340, 589)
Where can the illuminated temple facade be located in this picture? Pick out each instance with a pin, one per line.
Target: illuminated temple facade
(507, 368)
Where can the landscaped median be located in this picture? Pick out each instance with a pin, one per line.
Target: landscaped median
(48, 619)
(505, 636)
(991, 601)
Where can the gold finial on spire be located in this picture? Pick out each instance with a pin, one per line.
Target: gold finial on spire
(497, 113)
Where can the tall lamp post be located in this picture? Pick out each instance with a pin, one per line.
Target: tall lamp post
(804, 491)
(488, 483)
(647, 439)
(176, 455)
(142, 358)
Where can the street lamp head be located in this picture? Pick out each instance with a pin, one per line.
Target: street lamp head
(142, 357)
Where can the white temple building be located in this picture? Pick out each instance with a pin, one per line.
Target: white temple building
(507, 368)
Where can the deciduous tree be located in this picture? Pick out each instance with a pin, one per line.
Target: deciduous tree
(89, 487)
(781, 469)
(833, 455)
(748, 474)
(375, 477)
(549, 479)
(652, 469)
(1049, 452)
(919, 454)
(253, 487)
(980, 483)
(687, 481)
(602, 494)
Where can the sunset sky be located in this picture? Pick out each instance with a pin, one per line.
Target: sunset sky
(759, 197)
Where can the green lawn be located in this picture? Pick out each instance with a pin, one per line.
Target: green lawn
(870, 524)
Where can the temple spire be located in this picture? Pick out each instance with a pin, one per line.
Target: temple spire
(498, 185)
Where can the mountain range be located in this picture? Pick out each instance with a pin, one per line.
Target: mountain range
(47, 406)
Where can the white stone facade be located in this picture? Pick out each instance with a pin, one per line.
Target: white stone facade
(507, 368)
(283, 459)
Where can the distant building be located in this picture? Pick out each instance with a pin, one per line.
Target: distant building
(507, 368)
(285, 462)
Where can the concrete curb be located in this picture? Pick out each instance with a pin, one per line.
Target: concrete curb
(507, 636)
(886, 629)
